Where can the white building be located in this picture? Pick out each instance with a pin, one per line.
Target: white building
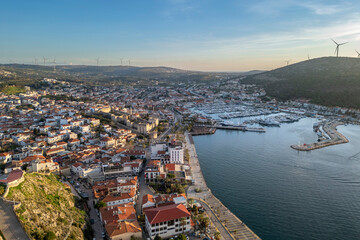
(167, 221)
(176, 155)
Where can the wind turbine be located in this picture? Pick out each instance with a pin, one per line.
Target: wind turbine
(45, 60)
(97, 61)
(54, 64)
(121, 60)
(35, 60)
(357, 53)
(287, 62)
(337, 47)
(129, 61)
(308, 57)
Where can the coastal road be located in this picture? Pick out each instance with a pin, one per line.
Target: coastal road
(9, 224)
(224, 233)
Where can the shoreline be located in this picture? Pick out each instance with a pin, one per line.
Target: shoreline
(229, 225)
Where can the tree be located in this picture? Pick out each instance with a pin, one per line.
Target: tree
(182, 223)
(134, 238)
(195, 210)
(157, 237)
(204, 223)
(24, 167)
(217, 235)
(100, 204)
(179, 188)
(181, 237)
(50, 236)
(2, 189)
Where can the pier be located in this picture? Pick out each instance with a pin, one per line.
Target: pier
(210, 129)
(245, 129)
(229, 226)
(334, 138)
(199, 130)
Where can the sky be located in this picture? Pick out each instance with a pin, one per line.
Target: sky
(205, 35)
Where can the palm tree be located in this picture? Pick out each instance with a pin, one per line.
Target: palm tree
(182, 223)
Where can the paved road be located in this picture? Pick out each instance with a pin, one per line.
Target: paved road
(97, 226)
(224, 233)
(9, 224)
(143, 190)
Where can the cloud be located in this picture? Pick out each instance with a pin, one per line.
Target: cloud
(268, 7)
(322, 9)
(179, 7)
(274, 42)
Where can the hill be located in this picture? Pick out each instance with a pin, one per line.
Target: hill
(329, 81)
(30, 74)
(47, 208)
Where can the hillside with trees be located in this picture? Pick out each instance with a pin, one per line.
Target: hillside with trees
(329, 81)
(22, 74)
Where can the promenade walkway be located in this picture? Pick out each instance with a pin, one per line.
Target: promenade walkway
(9, 224)
(229, 226)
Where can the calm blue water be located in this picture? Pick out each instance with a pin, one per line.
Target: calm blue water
(281, 193)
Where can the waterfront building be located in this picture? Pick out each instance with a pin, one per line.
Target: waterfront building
(167, 221)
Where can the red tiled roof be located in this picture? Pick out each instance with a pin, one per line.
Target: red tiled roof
(116, 229)
(14, 175)
(170, 166)
(121, 196)
(121, 212)
(166, 213)
(31, 158)
(148, 198)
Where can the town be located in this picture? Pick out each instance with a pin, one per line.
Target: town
(128, 152)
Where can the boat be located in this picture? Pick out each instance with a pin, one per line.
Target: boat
(269, 123)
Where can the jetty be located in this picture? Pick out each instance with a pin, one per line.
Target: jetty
(334, 137)
(245, 129)
(209, 129)
(201, 130)
(229, 225)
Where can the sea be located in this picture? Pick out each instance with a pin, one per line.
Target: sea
(281, 193)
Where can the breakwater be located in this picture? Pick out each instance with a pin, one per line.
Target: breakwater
(334, 138)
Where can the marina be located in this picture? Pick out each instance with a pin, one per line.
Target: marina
(271, 183)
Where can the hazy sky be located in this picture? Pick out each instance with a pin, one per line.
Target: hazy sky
(217, 35)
